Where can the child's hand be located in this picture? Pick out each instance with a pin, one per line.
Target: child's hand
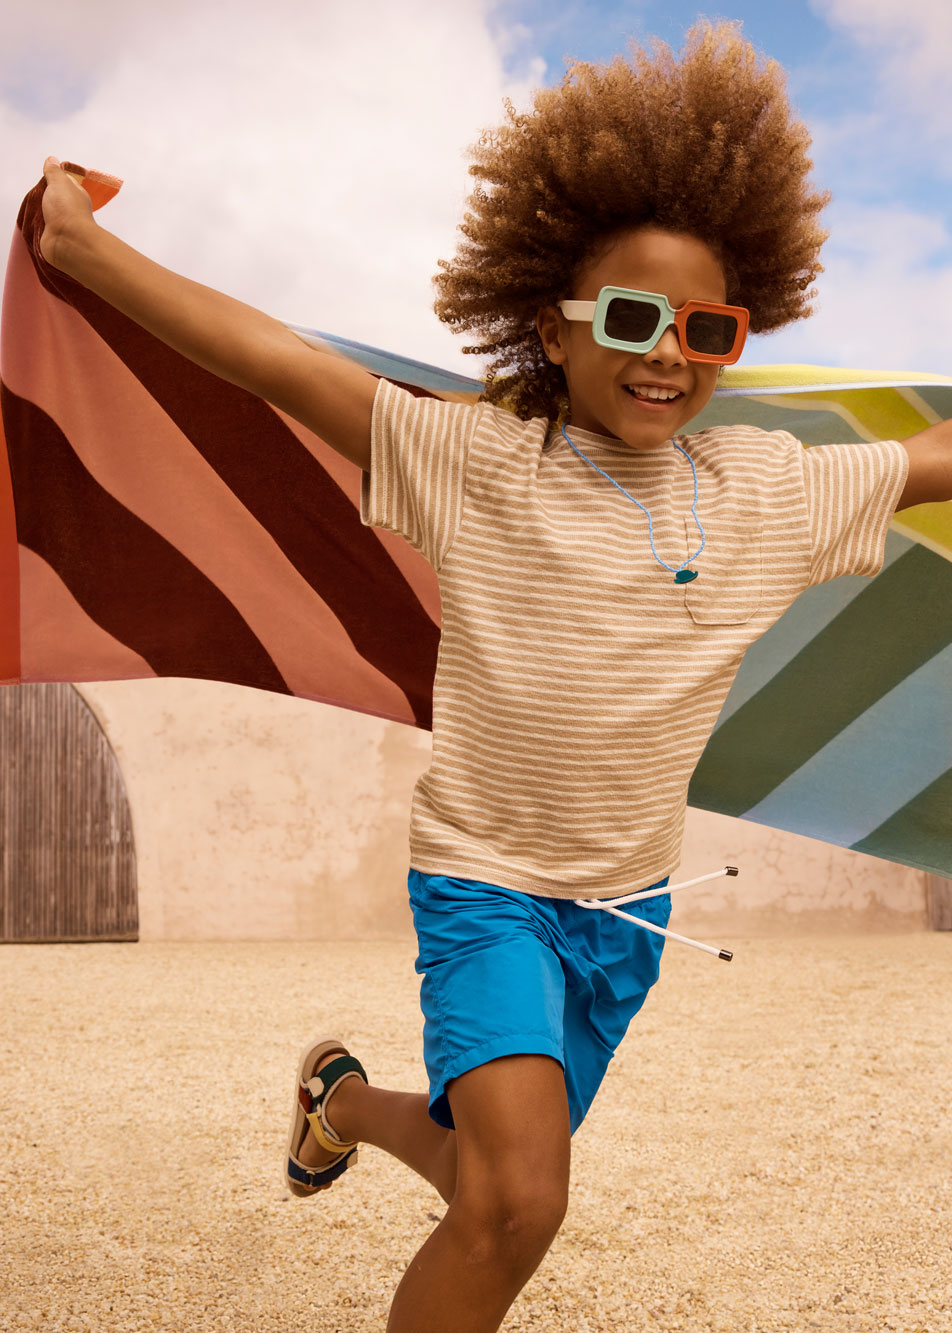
(66, 208)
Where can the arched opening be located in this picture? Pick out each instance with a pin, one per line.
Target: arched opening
(67, 854)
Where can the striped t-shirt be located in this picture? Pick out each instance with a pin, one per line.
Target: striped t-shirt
(577, 684)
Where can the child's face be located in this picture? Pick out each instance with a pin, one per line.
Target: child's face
(648, 259)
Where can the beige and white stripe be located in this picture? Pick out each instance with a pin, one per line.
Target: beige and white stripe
(577, 683)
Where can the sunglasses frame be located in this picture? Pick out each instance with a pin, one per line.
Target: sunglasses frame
(598, 309)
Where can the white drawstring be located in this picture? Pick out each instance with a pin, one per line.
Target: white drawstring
(601, 905)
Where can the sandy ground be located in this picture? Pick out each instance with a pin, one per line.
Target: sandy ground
(771, 1150)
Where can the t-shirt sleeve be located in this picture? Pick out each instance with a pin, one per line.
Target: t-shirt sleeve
(851, 494)
(419, 449)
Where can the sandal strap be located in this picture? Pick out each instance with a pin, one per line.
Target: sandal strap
(315, 1176)
(313, 1093)
(330, 1075)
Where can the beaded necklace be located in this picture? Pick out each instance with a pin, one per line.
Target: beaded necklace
(682, 574)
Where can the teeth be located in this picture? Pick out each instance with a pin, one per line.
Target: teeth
(661, 395)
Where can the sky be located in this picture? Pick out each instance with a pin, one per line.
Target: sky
(311, 158)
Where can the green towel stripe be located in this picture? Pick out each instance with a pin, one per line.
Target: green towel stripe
(811, 424)
(828, 684)
(918, 833)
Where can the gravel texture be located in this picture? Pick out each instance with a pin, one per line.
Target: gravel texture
(771, 1150)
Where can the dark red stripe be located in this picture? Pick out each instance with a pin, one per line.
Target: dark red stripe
(128, 579)
(9, 577)
(280, 482)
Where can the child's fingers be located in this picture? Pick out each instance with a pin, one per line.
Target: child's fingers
(66, 206)
(54, 171)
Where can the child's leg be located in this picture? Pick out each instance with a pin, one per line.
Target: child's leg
(513, 1145)
(504, 1172)
(397, 1122)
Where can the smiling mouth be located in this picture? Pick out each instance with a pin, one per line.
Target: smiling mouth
(657, 402)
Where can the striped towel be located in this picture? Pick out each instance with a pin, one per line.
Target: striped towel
(158, 521)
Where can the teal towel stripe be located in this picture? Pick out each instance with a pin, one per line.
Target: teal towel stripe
(809, 425)
(401, 369)
(918, 834)
(805, 620)
(839, 675)
(859, 780)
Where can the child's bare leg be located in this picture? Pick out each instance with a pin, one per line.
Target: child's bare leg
(397, 1122)
(513, 1144)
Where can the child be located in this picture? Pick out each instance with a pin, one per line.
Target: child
(601, 578)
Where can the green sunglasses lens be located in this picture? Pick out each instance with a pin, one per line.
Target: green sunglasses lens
(711, 333)
(630, 321)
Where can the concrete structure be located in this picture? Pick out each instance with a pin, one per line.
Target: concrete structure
(258, 816)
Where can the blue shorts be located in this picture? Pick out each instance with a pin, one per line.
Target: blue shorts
(506, 973)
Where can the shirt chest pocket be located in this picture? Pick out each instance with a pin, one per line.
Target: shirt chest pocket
(729, 585)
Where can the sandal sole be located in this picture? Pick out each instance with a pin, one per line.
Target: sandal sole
(311, 1057)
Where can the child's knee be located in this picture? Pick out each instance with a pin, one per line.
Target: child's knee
(515, 1218)
(533, 1214)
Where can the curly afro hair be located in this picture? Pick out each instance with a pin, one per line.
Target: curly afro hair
(705, 147)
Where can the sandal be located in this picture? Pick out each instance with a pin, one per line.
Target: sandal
(313, 1090)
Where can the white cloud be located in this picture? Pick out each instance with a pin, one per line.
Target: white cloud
(912, 46)
(880, 305)
(307, 158)
(310, 159)
(885, 299)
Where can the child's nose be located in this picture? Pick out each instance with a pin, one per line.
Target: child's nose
(668, 346)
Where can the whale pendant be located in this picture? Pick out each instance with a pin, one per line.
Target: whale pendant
(685, 575)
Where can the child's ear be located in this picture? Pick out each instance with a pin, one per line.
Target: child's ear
(549, 326)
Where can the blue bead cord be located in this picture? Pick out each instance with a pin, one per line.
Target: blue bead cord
(681, 575)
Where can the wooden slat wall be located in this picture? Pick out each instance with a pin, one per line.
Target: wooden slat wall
(67, 856)
(939, 891)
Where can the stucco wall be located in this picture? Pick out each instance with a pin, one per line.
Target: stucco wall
(258, 816)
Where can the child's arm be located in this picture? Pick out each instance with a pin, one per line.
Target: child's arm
(930, 466)
(330, 396)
